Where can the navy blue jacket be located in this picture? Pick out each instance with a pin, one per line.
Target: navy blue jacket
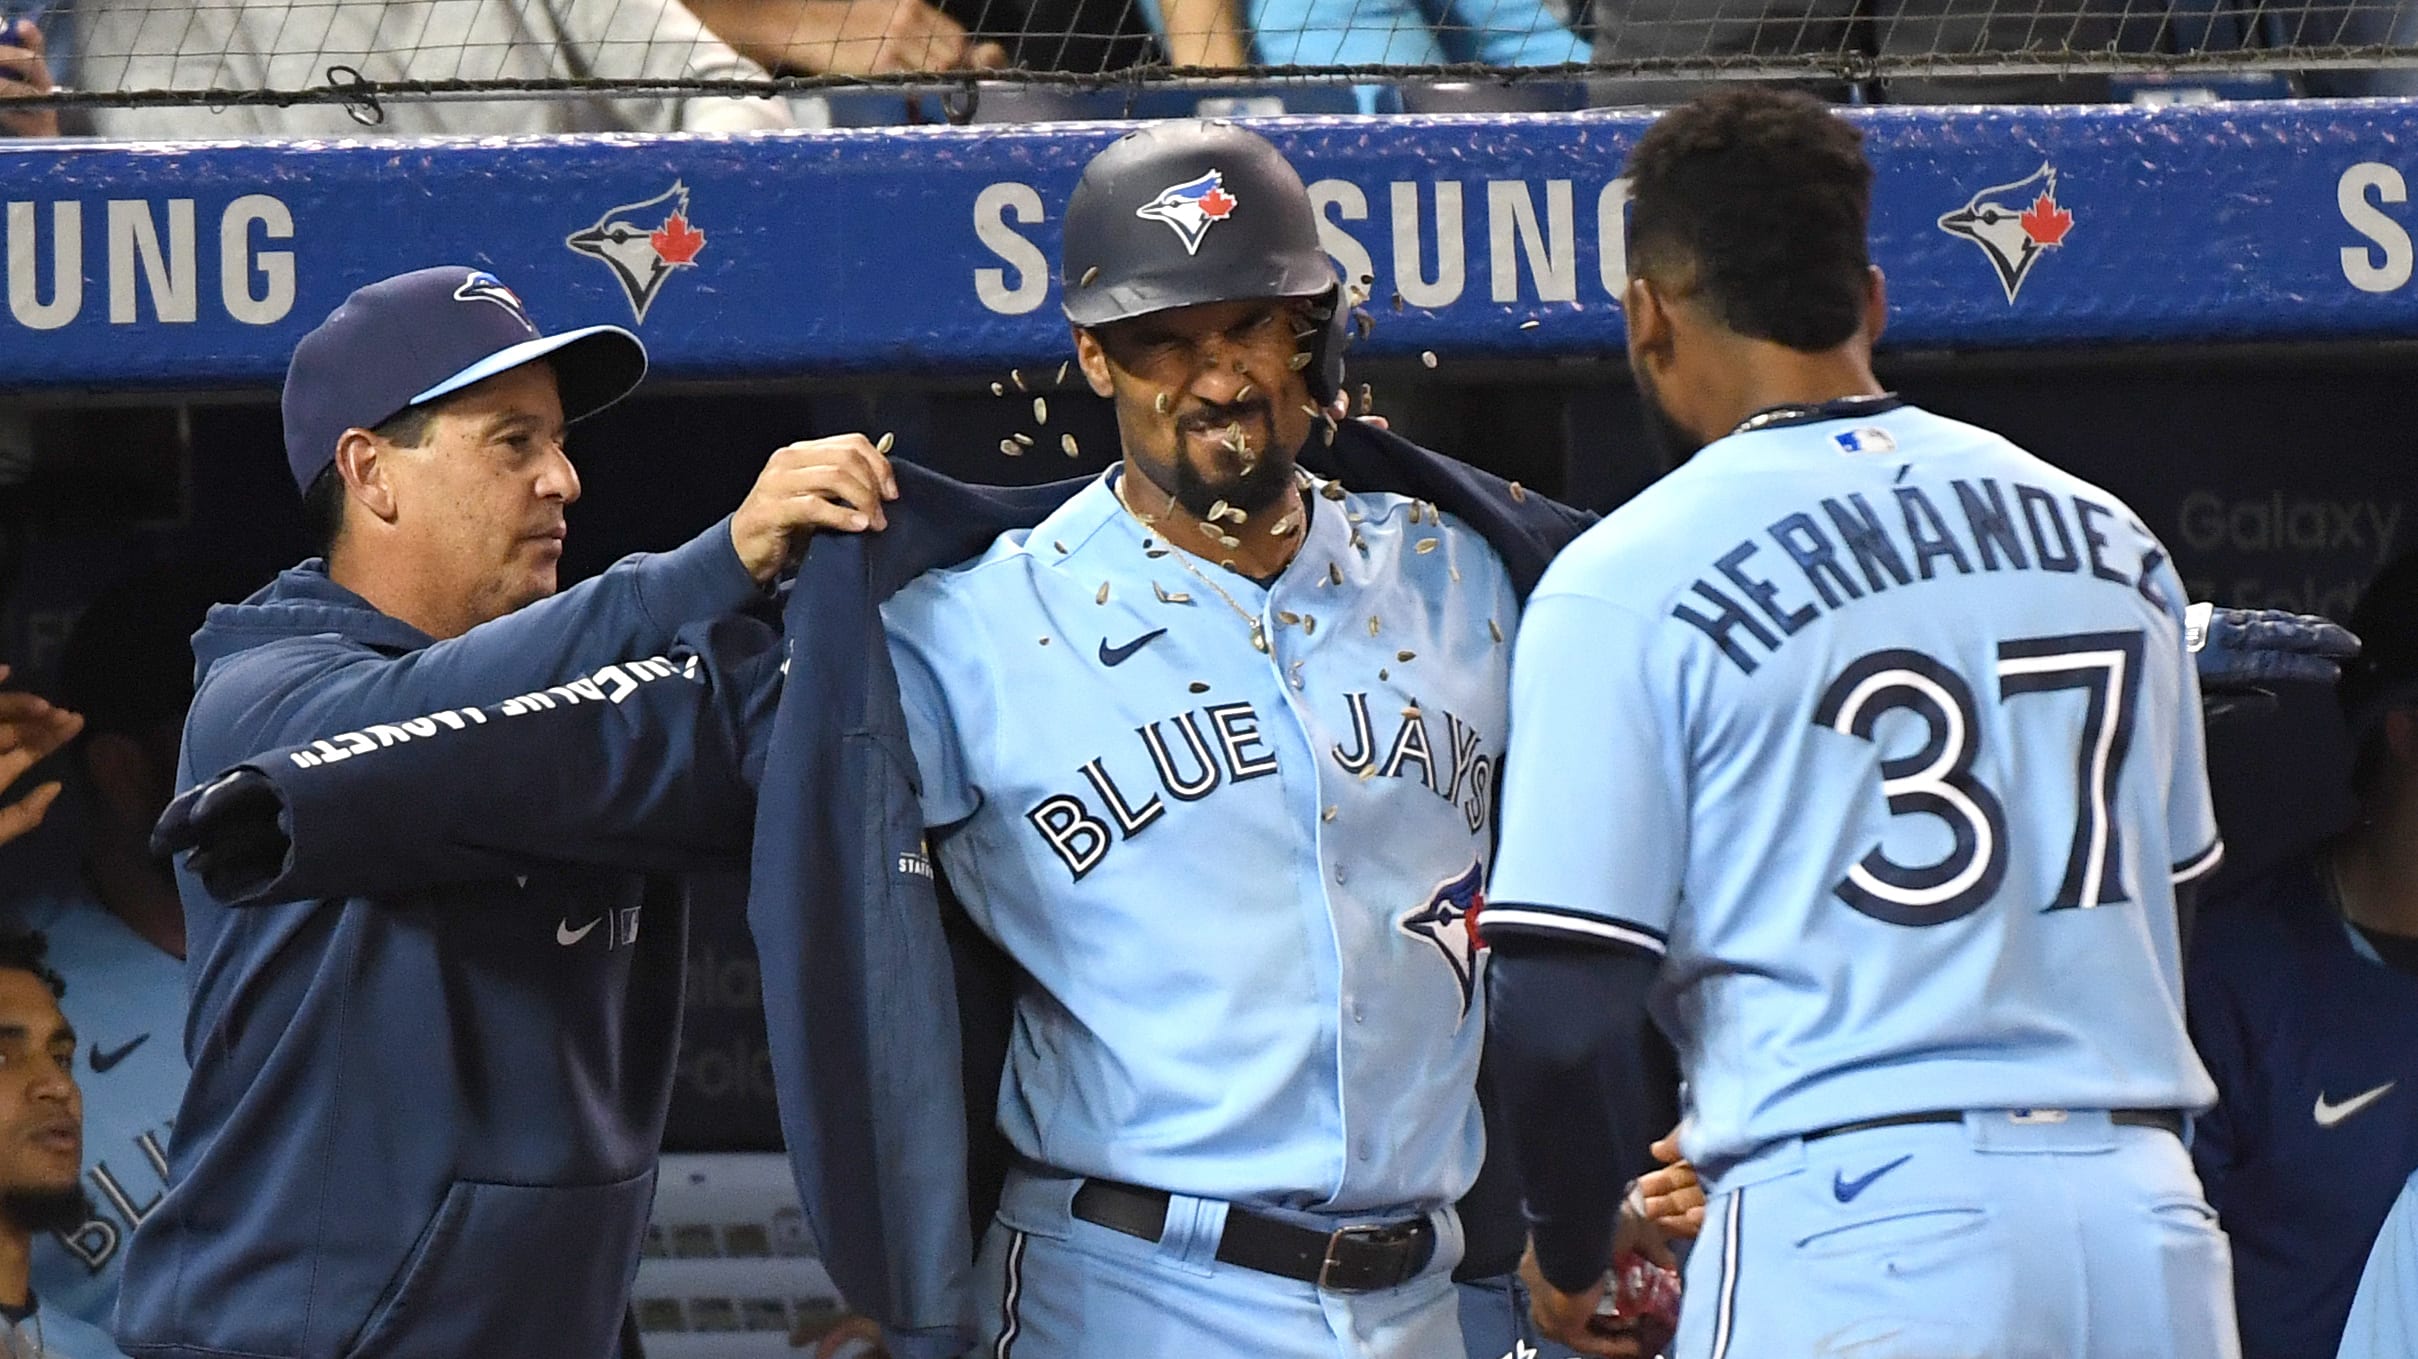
(421, 1121)
(886, 1013)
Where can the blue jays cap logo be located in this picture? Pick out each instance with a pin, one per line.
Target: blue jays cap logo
(2012, 232)
(1189, 209)
(1449, 921)
(481, 286)
(643, 243)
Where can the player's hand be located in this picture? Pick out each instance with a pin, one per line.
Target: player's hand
(30, 729)
(1570, 1317)
(24, 75)
(1669, 1203)
(835, 484)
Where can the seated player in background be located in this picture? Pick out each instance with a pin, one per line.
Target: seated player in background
(2303, 999)
(41, 1140)
(1865, 748)
(2384, 1313)
(116, 930)
(31, 728)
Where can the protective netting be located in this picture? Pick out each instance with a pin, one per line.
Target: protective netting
(141, 67)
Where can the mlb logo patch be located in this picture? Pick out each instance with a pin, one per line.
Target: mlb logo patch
(1866, 440)
(1189, 209)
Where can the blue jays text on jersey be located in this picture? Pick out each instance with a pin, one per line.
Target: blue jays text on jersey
(1272, 1003)
(1972, 665)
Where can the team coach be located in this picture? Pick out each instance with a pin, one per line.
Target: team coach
(425, 1124)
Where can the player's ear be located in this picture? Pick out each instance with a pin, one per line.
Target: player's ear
(1876, 305)
(1649, 322)
(368, 473)
(1093, 360)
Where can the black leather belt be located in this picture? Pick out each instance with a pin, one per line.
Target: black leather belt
(2167, 1119)
(1346, 1260)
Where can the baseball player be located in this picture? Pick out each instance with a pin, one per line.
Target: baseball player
(2303, 991)
(1865, 750)
(2384, 1313)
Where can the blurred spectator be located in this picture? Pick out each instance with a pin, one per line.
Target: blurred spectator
(40, 1125)
(1364, 32)
(275, 44)
(30, 729)
(848, 37)
(24, 73)
(118, 933)
(2302, 993)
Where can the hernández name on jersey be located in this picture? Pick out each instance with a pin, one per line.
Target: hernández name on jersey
(1842, 549)
(1222, 746)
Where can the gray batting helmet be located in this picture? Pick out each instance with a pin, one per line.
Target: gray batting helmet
(1175, 214)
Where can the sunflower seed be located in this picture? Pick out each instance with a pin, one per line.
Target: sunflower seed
(1295, 671)
(1364, 324)
(1217, 509)
(1197, 687)
(1332, 490)
(1016, 376)
(1312, 411)
(1287, 616)
(1040, 410)
(1326, 434)
(1354, 517)
(1155, 552)
(1045, 641)
(1228, 540)
(1367, 772)
(1209, 529)
(1245, 392)
(1300, 361)
(999, 389)
(1456, 575)
(1062, 371)
(1519, 492)
(1149, 543)
(1374, 625)
(1309, 626)
(1368, 398)
(1406, 655)
(1368, 280)
(1259, 641)
(1167, 598)
(1238, 514)
(1411, 710)
(1067, 442)
(1397, 302)
(885, 443)
(1334, 574)
(1530, 324)
(1496, 629)
(1226, 562)
(1428, 357)
(1089, 276)
(1381, 676)
(1022, 438)
(1285, 526)
(1359, 543)
(1010, 447)
(1102, 597)
(1329, 813)
(1058, 545)
(1165, 400)
(1426, 545)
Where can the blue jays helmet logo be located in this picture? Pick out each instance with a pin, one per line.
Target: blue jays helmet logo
(1449, 921)
(1189, 209)
(2012, 232)
(481, 286)
(643, 243)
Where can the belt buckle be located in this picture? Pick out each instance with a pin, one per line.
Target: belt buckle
(1373, 1234)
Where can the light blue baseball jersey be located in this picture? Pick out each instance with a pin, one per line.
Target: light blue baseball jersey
(53, 1334)
(2384, 1315)
(1883, 732)
(1240, 881)
(126, 1000)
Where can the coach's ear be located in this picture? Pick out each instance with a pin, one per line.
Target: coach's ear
(1876, 305)
(1093, 360)
(361, 462)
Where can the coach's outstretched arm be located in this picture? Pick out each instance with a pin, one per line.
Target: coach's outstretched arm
(647, 764)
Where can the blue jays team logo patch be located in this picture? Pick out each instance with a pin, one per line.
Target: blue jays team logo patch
(1449, 921)
(2012, 231)
(643, 243)
(1191, 208)
(482, 286)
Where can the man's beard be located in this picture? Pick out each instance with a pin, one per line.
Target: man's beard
(47, 1210)
(1263, 480)
(1671, 443)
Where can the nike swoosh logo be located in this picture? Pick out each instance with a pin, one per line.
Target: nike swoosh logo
(1118, 655)
(102, 1061)
(1845, 1189)
(2328, 1115)
(566, 936)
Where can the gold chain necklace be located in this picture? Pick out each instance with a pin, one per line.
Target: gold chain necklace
(1259, 628)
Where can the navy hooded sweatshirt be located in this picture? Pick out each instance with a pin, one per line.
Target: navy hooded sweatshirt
(886, 1013)
(422, 1121)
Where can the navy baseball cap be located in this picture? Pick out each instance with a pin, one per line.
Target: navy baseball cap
(410, 339)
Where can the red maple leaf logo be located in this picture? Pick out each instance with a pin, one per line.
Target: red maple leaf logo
(2045, 222)
(1216, 203)
(676, 241)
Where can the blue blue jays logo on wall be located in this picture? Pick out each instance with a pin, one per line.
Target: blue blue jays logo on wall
(2014, 232)
(482, 286)
(643, 243)
(1449, 921)
(1189, 209)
